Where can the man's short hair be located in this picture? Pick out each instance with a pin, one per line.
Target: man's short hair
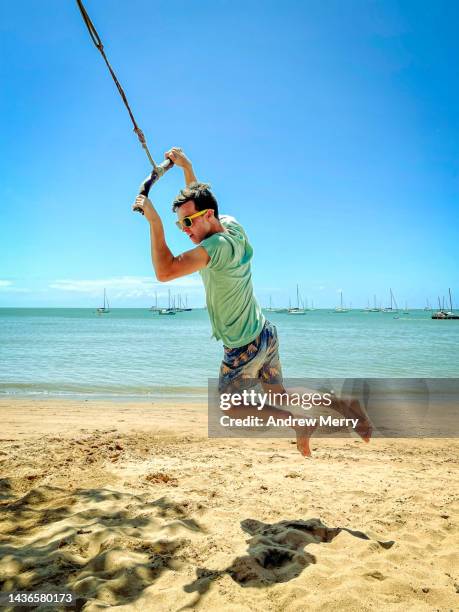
(200, 194)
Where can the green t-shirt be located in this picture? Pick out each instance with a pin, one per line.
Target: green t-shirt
(234, 312)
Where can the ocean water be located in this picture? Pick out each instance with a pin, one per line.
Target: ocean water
(134, 353)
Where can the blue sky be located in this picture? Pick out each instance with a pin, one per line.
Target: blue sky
(329, 129)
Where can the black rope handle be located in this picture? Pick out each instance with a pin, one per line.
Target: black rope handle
(154, 176)
(151, 179)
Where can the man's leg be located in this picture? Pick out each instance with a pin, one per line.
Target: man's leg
(302, 433)
(272, 381)
(240, 370)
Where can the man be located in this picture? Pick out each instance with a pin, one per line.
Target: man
(223, 257)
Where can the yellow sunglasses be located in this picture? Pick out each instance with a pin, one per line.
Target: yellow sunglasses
(188, 221)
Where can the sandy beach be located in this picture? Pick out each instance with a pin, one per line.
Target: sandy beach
(130, 505)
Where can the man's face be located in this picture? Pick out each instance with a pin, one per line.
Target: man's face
(200, 227)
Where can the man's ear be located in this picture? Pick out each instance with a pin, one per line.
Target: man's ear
(210, 214)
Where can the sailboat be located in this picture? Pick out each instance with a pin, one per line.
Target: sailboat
(297, 310)
(179, 307)
(392, 304)
(186, 309)
(375, 308)
(169, 310)
(166, 311)
(155, 307)
(106, 307)
(270, 309)
(406, 311)
(341, 307)
(442, 314)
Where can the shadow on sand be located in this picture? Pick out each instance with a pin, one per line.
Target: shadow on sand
(100, 544)
(110, 546)
(275, 553)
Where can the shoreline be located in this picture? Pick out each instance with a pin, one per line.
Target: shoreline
(200, 396)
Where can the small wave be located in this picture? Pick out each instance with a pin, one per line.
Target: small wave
(125, 393)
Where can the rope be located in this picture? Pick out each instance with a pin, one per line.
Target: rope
(98, 43)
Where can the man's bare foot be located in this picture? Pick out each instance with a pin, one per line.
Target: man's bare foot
(351, 409)
(303, 435)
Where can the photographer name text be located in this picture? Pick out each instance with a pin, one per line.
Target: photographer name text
(290, 421)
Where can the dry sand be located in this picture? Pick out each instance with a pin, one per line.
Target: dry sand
(131, 505)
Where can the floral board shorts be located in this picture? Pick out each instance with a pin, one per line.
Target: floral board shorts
(257, 361)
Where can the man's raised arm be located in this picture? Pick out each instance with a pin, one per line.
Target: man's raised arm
(180, 159)
(167, 267)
